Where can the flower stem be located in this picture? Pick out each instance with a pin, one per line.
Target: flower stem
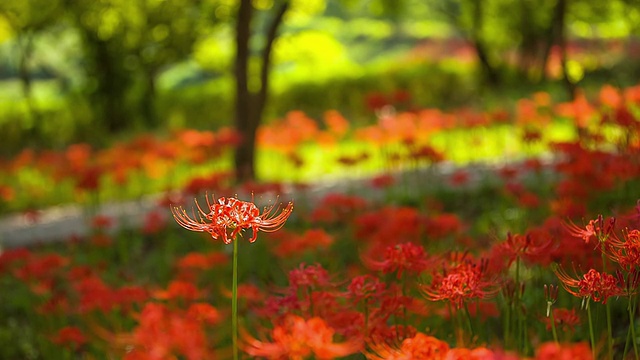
(553, 326)
(234, 302)
(632, 330)
(591, 333)
(609, 329)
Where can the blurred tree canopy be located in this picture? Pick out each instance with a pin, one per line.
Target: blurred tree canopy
(116, 52)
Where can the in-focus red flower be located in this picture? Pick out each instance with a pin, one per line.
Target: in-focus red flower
(593, 285)
(625, 251)
(585, 233)
(465, 281)
(297, 338)
(227, 217)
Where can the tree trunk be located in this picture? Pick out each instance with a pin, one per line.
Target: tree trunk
(489, 72)
(25, 41)
(244, 155)
(147, 102)
(561, 11)
(555, 35)
(249, 106)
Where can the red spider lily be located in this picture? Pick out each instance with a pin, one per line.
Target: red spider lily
(365, 288)
(200, 261)
(289, 244)
(11, 256)
(313, 276)
(585, 233)
(70, 336)
(154, 222)
(552, 350)
(481, 353)
(626, 251)
(249, 292)
(336, 123)
(593, 285)
(390, 226)
(400, 258)
(334, 207)
(441, 225)
(180, 290)
(460, 283)
(297, 338)
(420, 346)
(93, 294)
(166, 334)
(382, 181)
(102, 222)
(567, 319)
(204, 313)
(7, 193)
(41, 267)
(519, 246)
(382, 333)
(229, 216)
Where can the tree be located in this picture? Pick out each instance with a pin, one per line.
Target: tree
(249, 104)
(26, 19)
(126, 45)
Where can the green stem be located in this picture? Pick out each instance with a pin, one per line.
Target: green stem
(234, 302)
(609, 329)
(632, 329)
(468, 314)
(404, 294)
(591, 333)
(516, 308)
(507, 323)
(553, 326)
(607, 307)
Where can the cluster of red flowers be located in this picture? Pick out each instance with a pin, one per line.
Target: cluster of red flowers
(357, 275)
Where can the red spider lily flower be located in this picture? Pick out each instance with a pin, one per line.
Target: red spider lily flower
(70, 336)
(11, 256)
(382, 181)
(365, 288)
(593, 285)
(180, 290)
(519, 246)
(7, 193)
(41, 267)
(400, 258)
(585, 233)
(313, 276)
(227, 217)
(420, 346)
(102, 222)
(460, 283)
(480, 353)
(338, 208)
(163, 333)
(203, 313)
(154, 222)
(297, 338)
(289, 244)
(626, 251)
(566, 319)
(552, 350)
(200, 261)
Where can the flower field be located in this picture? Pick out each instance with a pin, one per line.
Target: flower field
(536, 258)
